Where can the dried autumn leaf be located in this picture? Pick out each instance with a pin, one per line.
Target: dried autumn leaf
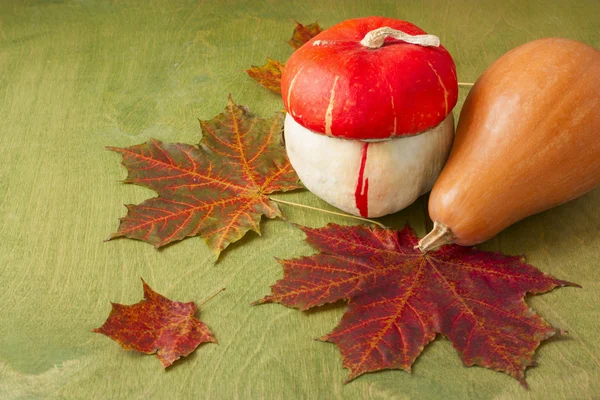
(157, 325)
(400, 298)
(269, 75)
(303, 33)
(218, 191)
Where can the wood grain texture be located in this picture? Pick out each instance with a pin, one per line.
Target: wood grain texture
(77, 76)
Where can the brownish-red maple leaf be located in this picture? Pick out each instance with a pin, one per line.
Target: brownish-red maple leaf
(218, 191)
(303, 33)
(400, 298)
(269, 75)
(157, 325)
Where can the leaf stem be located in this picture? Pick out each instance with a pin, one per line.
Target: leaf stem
(465, 84)
(211, 297)
(328, 211)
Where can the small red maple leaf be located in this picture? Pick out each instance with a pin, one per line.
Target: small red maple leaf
(399, 299)
(269, 75)
(157, 325)
(303, 33)
(218, 191)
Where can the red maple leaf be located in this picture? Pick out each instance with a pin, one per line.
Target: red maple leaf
(303, 33)
(399, 299)
(218, 191)
(269, 75)
(157, 325)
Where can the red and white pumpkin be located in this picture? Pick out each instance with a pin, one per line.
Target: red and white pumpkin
(369, 113)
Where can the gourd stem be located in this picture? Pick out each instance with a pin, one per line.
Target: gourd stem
(466, 84)
(211, 297)
(328, 212)
(439, 236)
(375, 38)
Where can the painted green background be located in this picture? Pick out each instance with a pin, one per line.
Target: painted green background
(78, 75)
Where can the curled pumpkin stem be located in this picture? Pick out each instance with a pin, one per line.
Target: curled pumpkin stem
(375, 38)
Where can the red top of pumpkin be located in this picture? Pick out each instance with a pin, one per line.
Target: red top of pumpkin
(336, 86)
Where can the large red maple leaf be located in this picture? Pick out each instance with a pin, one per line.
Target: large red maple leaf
(399, 299)
(218, 191)
(157, 325)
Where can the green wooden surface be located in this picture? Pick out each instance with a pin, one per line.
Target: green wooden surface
(77, 75)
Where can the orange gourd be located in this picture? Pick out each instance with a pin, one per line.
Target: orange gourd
(528, 139)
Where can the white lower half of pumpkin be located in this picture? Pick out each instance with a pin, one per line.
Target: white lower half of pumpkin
(370, 179)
